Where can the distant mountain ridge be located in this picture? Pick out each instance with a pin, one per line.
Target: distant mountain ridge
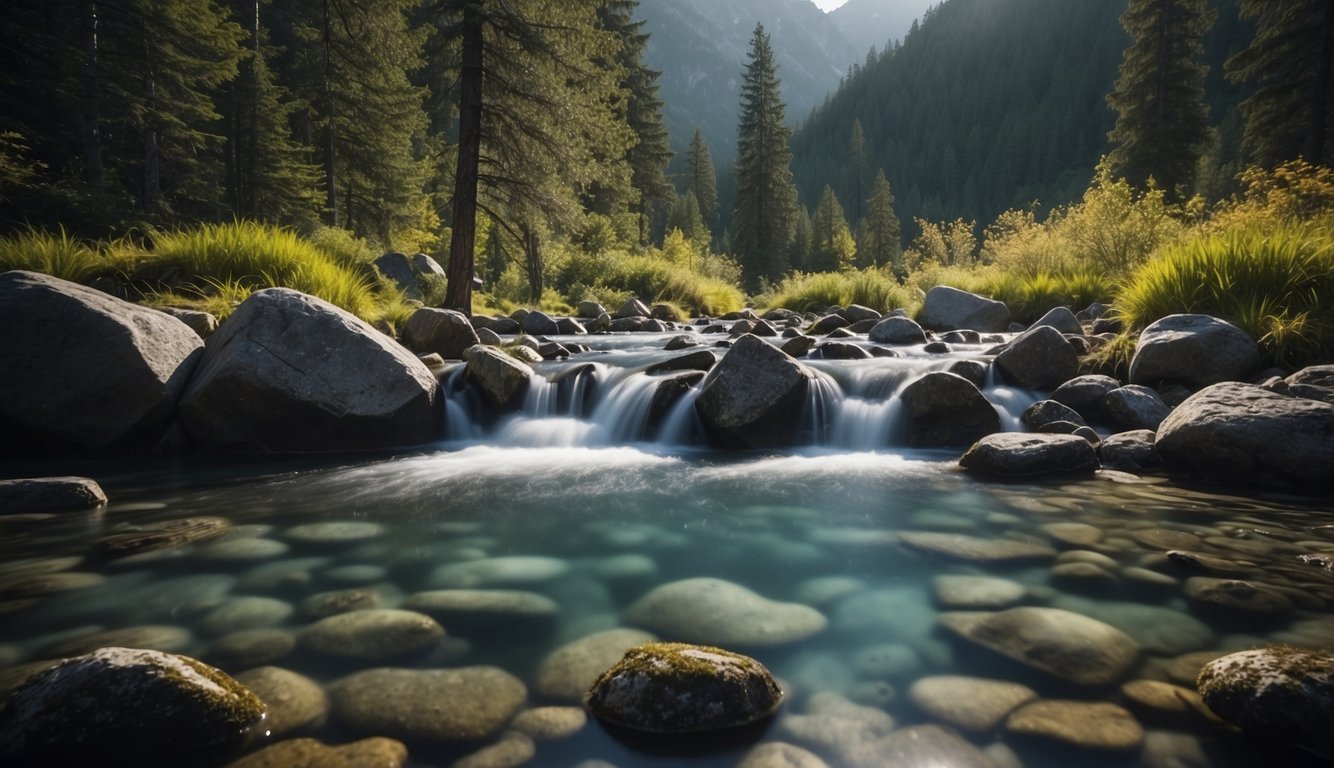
(867, 23)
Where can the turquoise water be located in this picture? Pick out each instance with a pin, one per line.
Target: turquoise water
(601, 524)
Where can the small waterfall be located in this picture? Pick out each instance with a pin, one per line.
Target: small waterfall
(682, 425)
(824, 401)
(522, 432)
(622, 415)
(542, 399)
(1009, 402)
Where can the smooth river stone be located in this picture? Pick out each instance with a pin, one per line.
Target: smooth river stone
(242, 549)
(322, 605)
(977, 550)
(433, 705)
(1074, 534)
(568, 672)
(245, 613)
(707, 610)
(919, 745)
(372, 635)
(834, 725)
(464, 610)
(498, 571)
(778, 754)
(375, 752)
(1099, 726)
(165, 637)
(955, 592)
(1065, 645)
(292, 702)
(1164, 701)
(335, 533)
(1236, 598)
(513, 749)
(969, 703)
(41, 584)
(1160, 631)
(252, 647)
(550, 723)
(823, 591)
(1165, 539)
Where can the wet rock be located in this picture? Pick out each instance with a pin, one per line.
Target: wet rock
(1164, 702)
(44, 494)
(658, 688)
(538, 323)
(837, 726)
(252, 647)
(943, 409)
(589, 310)
(1073, 534)
(1039, 358)
(324, 604)
(375, 752)
(968, 703)
(41, 584)
(242, 549)
(85, 370)
(444, 332)
(1085, 393)
(498, 571)
(676, 343)
(828, 323)
(513, 749)
(1243, 433)
(798, 346)
(336, 533)
(160, 536)
(1236, 598)
(885, 661)
(1022, 455)
(897, 330)
(937, 348)
(957, 592)
(633, 307)
(1196, 350)
(753, 399)
(372, 635)
(128, 707)
(1207, 563)
(1129, 451)
(1066, 645)
(1044, 412)
(778, 754)
(502, 379)
(977, 550)
(429, 705)
(713, 610)
(834, 350)
(154, 637)
(919, 745)
(972, 370)
(248, 612)
(1082, 577)
(700, 360)
(1280, 694)
(1098, 726)
(550, 723)
(466, 611)
(948, 309)
(1135, 407)
(667, 393)
(1063, 320)
(268, 383)
(293, 703)
(1158, 630)
(568, 672)
(488, 337)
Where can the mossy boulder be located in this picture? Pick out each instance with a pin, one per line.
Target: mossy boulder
(683, 688)
(1280, 693)
(126, 707)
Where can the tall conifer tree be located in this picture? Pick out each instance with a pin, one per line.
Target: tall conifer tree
(766, 198)
(878, 236)
(832, 246)
(1163, 123)
(854, 188)
(1290, 63)
(702, 180)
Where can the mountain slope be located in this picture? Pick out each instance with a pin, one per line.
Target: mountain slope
(867, 23)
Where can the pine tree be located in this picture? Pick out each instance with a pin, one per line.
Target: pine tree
(832, 246)
(878, 236)
(1163, 124)
(799, 252)
(701, 179)
(765, 198)
(1290, 65)
(854, 187)
(686, 217)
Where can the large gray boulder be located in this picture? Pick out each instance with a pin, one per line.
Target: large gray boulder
(1017, 454)
(1195, 350)
(42, 494)
(1279, 694)
(949, 309)
(502, 379)
(1135, 407)
(1085, 393)
(126, 707)
(538, 323)
(943, 409)
(1068, 646)
(85, 370)
(1062, 319)
(410, 273)
(442, 331)
(754, 396)
(897, 330)
(288, 372)
(1244, 433)
(1039, 358)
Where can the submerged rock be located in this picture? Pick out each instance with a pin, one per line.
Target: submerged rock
(1013, 454)
(568, 672)
(1243, 433)
(948, 309)
(969, 703)
(754, 396)
(945, 409)
(85, 370)
(975, 549)
(1066, 645)
(1195, 350)
(293, 702)
(378, 752)
(159, 536)
(1281, 694)
(268, 382)
(430, 705)
(43, 494)
(372, 635)
(1092, 725)
(126, 707)
(682, 688)
(712, 610)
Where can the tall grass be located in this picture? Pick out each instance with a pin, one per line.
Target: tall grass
(1029, 297)
(1277, 284)
(613, 276)
(53, 253)
(814, 292)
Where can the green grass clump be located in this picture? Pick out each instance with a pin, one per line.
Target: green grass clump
(813, 292)
(1029, 297)
(51, 253)
(1277, 284)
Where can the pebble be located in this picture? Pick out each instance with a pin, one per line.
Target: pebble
(1073, 534)
(968, 703)
(823, 591)
(322, 605)
(835, 725)
(569, 671)
(708, 610)
(433, 705)
(954, 592)
(498, 571)
(334, 533)
(1066, 645)
(41, 584)
(977, 550)
(486, 610)
(1164, 538)
(1164, 701)
(164, 637)
(245, 613)
(886, 661)
(375, 752)
(355, 574)
(550, 723)
(778, 754)
(292, 702)
(252, 647)
(513, 749)
(242, 549)
(1097, 726)
(376, 634)
(1236, 598)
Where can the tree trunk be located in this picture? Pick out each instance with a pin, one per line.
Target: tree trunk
(152, 195)
(532, 252)
(1314, 146)
(458, 294)
(330, 178)
(93, 167)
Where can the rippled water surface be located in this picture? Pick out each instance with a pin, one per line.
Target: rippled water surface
(594, 529)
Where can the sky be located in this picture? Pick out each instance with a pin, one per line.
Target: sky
(828, 5)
